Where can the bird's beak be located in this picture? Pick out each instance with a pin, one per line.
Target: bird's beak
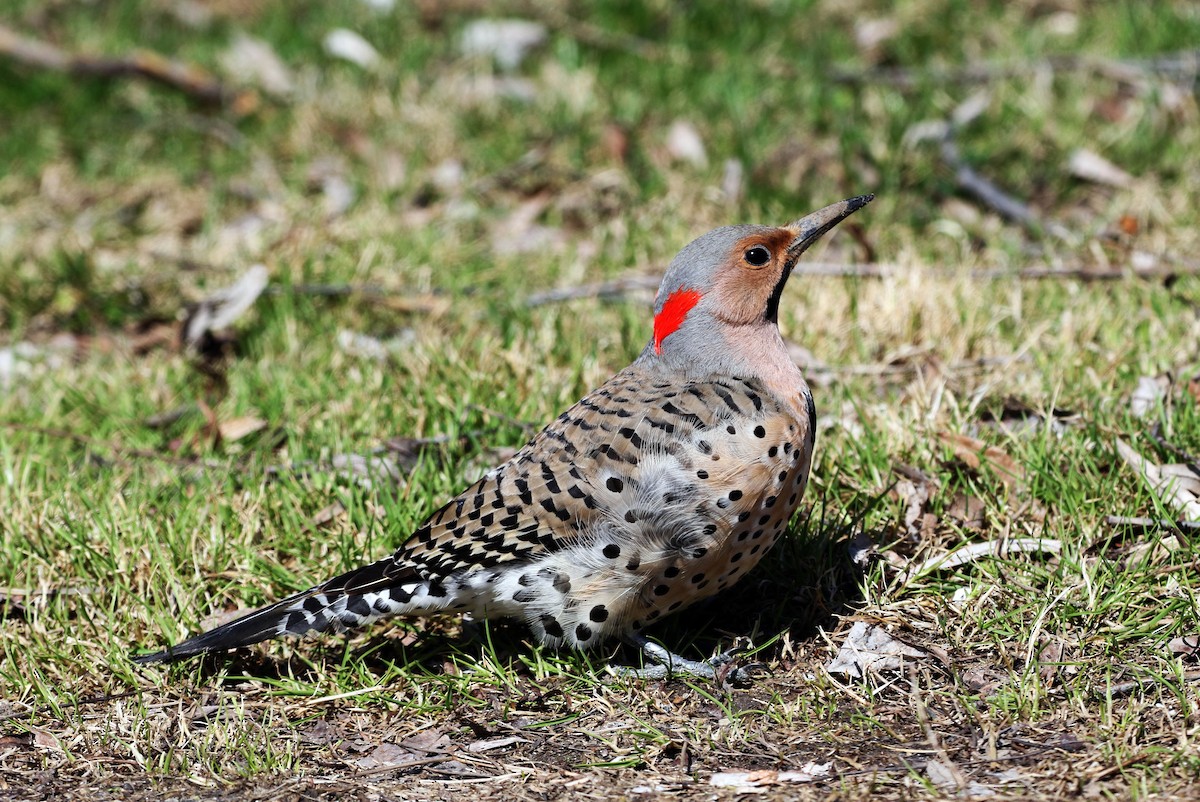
(810, 228)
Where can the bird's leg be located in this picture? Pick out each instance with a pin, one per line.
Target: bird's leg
(668, 664)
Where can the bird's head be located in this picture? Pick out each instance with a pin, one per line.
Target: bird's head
(732, 278)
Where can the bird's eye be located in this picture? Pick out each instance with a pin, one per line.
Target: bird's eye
(757, 256)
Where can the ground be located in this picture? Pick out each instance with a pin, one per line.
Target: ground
(455, 246)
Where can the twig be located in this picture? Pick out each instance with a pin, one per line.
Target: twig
(193, 81)
(594, 35)
(117, 452)
(1178, 453)
(605, 289)
(1181, 66)
(1126, 688)
(991, 195)
(1152, 524)
(997, 548)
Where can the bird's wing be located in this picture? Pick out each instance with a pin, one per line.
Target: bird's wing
(566, 479)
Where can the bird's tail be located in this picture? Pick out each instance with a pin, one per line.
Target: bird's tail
(353, 599)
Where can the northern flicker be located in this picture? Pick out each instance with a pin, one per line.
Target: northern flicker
(662, 487)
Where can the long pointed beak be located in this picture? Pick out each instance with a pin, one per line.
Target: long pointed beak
(810, 228)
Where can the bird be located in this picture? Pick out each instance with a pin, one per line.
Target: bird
(662, 487)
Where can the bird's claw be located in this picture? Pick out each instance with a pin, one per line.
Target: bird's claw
(667, 664)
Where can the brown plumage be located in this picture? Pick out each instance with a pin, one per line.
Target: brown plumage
(662, 487)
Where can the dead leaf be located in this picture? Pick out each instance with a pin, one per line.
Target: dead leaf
(328, 513)
(44, 740)
(983, 679)
(1177, 485)
(1091, 166)
(519, 232)
(1018, 418)
(1049, 660)
(350, 46)
(763, 778)
(732, 177)
(1148, 395)
(495, 743)
(432, 741)
(255, 62)
(221, 308)
(869, 648)
(235, 429)
(505, 41)
(685, 145)
(915, 489)
(943, 775)
(968, 510)
(384, 755)
(976, 452)
(1185, 646)
(871, 34)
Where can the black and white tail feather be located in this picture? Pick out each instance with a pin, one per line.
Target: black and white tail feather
(354, 599)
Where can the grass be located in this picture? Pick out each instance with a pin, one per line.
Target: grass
(1050, 675)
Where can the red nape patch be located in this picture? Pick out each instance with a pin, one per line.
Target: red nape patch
(676, 308)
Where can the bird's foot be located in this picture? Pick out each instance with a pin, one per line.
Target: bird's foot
(667, 664)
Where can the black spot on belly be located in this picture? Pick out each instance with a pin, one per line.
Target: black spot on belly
(702, 474)
(671, 571)
(612, 551)
(551, 625)
(583, 632)
(614, 484)
(697, 579)
(661, 590)
(599, 614)
(759, 431)
(734, 495)
(525, 595)
(737, 555)
(674, 606)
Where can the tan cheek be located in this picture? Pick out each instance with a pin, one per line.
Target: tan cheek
(743, 293)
